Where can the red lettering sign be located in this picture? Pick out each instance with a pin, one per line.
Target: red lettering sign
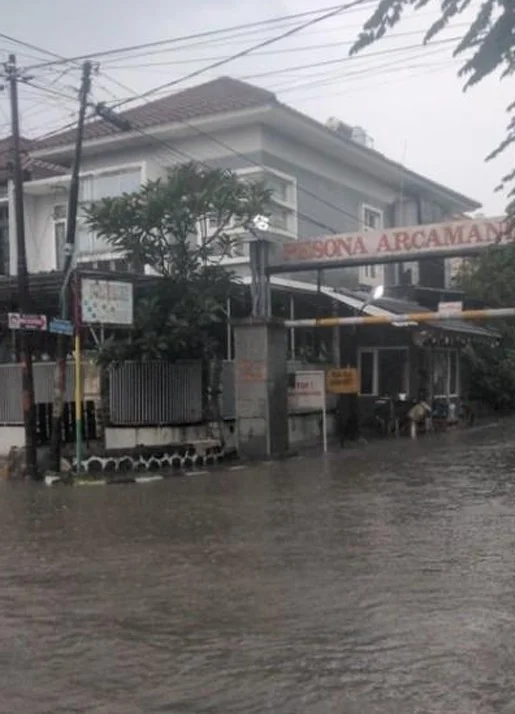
(453, 238)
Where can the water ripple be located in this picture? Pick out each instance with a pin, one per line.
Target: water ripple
(377, 582)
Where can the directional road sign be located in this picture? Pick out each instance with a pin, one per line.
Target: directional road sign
(60, 327)
(18, 321)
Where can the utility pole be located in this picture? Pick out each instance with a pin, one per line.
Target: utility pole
(71, 226)
(29, 412)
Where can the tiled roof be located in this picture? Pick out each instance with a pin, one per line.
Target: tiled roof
(216, 97)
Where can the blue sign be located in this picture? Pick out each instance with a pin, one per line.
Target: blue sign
(60, 327)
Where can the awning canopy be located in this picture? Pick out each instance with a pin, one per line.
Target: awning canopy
(357, 300)
(45, 287)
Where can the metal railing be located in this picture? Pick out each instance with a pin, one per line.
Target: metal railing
(11, 411)
(155, 393)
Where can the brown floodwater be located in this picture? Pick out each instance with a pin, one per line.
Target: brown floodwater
(377, 581)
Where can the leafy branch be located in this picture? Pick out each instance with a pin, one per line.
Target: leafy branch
(487, 46)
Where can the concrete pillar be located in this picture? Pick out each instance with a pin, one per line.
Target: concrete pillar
(261, 387)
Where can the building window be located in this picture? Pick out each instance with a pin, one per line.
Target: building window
(371, 220)
(279, 218)
(206, 229)
(94, 187)
(446, 373)
(384, 371)
(283, 189)
(283, 209)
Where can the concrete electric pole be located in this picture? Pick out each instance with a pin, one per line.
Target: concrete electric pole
(29, 413)
(71, 228)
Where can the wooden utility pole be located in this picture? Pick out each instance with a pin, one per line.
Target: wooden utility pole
(29, 413)
(71, 227)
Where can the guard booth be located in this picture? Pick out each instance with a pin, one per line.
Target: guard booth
(394, 345)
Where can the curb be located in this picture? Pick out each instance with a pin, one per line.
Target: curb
(71, 480)
(231, 465)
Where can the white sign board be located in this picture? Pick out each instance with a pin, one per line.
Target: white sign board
(106, 302)
(393, 244)
(308, 395)
(449, 307)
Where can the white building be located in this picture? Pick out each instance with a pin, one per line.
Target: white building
(325, 178)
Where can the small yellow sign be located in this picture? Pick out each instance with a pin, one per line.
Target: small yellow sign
(343, 381)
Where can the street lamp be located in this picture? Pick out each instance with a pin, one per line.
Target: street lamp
(376, 293)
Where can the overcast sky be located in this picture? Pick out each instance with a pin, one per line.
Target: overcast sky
(407, 97)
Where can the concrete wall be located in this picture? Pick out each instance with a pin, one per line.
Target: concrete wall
(132, 437)
(304, 429)
(330, 195)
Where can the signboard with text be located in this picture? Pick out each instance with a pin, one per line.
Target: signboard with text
(307, 394)
(450, 307)
(464, 237)
(19, 321)
(343, 381)
(106, 302)
(60, 327)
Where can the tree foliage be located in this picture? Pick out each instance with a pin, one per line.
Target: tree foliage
(487, 46)
(181, 227)
(490, 279)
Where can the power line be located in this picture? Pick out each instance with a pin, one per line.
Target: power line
(174, 149)
(50, 90)
(247, 159)
(18, 52)
(15, 41)
(226, 146)
(339, 60)
(175, 40)
(368, 87)
(188, 157)
(283, 50)
(239, 38)
(170, 147)
(318, 78)
(253, 48)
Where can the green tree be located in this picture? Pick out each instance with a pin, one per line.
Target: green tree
(182, 228)
(159, 227)
(486, 46)
(490, 279)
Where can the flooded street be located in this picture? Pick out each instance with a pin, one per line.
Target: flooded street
(382, 581)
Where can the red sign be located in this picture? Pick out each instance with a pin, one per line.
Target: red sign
(18, 321)
(251, 370)
(456, 238)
